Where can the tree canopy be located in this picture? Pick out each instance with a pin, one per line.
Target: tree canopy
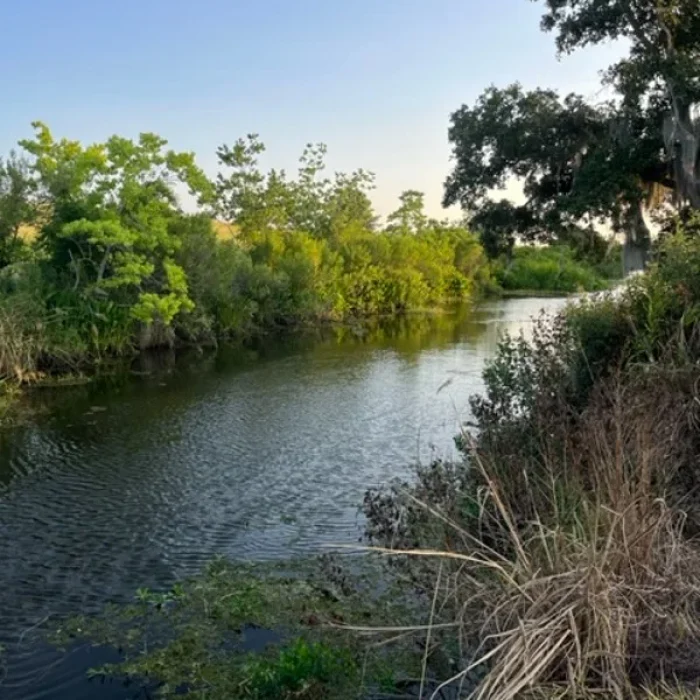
(115, 259)
(108, 208)
(583, 163)
(320, 206)
(660, 77)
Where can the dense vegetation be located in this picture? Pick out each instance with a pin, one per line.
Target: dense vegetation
(554, 269)
(97, 256)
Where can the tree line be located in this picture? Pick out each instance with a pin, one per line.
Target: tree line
(98, 254)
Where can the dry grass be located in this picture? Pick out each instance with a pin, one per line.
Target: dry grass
(668, 691)
(20, 346)
(225, 231)
(597, 592)
(602, 608)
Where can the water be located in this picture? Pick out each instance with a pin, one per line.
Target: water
(254, 454)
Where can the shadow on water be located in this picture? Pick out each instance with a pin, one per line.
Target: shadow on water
(262, 452)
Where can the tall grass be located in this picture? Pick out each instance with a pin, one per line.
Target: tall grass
(601, 592)
(21, 342)
(579, 580)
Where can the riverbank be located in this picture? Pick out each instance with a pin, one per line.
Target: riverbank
(138, 480)
(568, 532)
(57, 369)
(109, 264)
(563, 539)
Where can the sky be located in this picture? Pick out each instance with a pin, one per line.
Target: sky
(375, 80)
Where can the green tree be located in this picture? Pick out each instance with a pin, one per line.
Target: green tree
(582, 164)
(109, 209)
(577, 164)
(410, 217)
(17, 205)
(659, 79)
(348, 206)
(321, 206)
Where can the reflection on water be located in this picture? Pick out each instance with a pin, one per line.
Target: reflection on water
(254, 453)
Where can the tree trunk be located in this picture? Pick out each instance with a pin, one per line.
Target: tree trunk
(635, 251)
(156, 335)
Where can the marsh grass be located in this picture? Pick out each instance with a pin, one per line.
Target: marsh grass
(580, 579)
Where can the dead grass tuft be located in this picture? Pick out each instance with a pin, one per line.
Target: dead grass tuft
(582, 581)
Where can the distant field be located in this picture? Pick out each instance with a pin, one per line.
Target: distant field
(28, 233)
(224, 231)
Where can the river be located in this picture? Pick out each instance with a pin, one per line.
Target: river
(255, 454)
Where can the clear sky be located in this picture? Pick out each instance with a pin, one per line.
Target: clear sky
(376, 80)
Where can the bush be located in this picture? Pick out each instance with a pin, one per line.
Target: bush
(550, 269)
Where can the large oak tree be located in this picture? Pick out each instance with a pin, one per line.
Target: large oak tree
(581, 163)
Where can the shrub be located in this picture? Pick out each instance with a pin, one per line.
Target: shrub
(550, 269)
(216, 272)
(664, 305)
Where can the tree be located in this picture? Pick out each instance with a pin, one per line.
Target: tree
(349, 208)
(17, 206)
(109, 209)
(409, 218)
(577, 164)
(660, 78)
(582, 164)
(320, 206)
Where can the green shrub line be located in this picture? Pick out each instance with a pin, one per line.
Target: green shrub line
(555, 269)
(100, 261)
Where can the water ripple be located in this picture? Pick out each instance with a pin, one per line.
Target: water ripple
(142, 485)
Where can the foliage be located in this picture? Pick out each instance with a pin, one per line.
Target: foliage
(117, 264)
(316, 249)
(110, 205)
(583, 163)
(16, 209)
(321, 207)
(574, 166)
(658, 80)
(254, 632)
(301, 670)
(551, 269)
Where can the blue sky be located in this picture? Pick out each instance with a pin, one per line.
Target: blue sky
(376, 80)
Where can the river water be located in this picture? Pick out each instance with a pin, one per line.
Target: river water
(255, 454)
